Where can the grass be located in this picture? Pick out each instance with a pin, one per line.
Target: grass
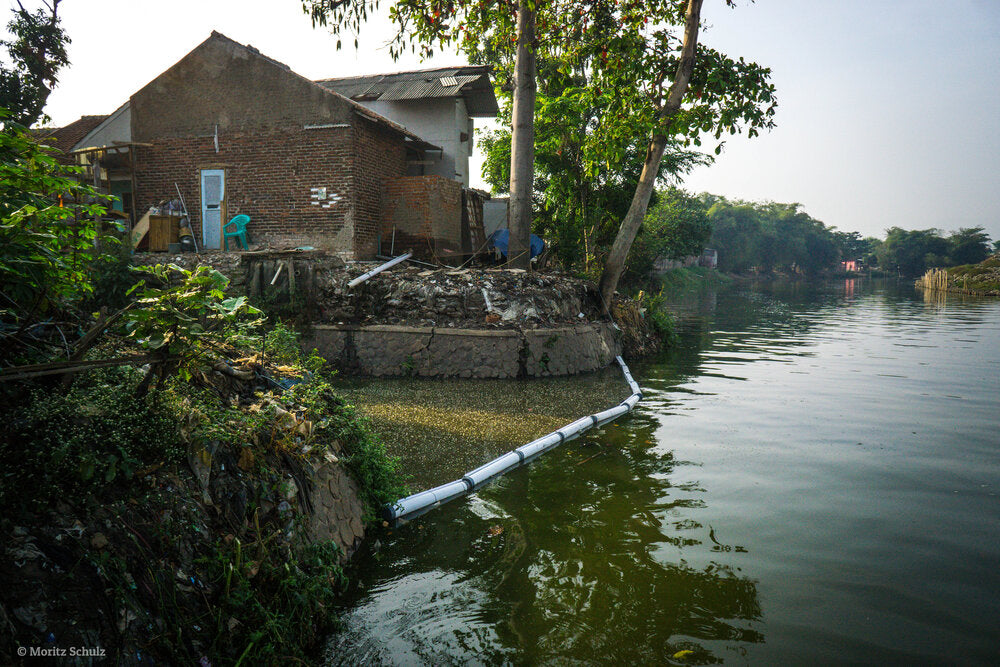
(685, 277)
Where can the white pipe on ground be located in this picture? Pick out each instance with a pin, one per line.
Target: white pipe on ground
(419, 503)
(379, 269)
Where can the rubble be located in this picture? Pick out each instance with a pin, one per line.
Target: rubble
(460, 298)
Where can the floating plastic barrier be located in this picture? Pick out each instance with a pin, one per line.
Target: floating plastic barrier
(419, 503)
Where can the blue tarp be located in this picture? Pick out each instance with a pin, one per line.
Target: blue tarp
(500, 238)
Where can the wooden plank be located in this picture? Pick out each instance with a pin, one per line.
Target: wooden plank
(140, 230)
(163, 230)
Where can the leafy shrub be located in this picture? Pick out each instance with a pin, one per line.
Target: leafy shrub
(285, 601)
(112, 277)
(188, 322)
(78, 441)
(660, 319)
(281, 344)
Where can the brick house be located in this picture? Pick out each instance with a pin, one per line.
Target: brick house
(241, 133)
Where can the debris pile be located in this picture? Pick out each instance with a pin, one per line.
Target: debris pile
(461, 298)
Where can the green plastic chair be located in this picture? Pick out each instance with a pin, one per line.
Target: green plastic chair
(240, 222)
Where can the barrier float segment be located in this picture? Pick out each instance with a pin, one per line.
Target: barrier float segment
(413, 506)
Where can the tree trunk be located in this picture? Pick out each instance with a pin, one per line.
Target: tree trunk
(522, 149)
(615, 265)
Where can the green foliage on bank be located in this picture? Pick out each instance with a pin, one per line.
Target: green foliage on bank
(242, 588)
(912, 252)
(48, 237)
(677, 226)
(981, 278)
(660, 319)
(77, 443)
(675, 280)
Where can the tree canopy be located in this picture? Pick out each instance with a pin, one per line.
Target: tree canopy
(912, 252)
(769, 236)
(579, 196)
(618, 57)
(37, 51)
(677, 226)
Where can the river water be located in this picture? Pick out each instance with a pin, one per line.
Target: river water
(813, 477)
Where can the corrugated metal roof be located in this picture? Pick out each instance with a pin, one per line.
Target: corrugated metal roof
(472, 83)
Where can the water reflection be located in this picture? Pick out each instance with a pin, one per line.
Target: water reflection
(580, 555)
(816, 464)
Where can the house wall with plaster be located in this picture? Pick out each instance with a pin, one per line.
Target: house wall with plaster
(440, 121)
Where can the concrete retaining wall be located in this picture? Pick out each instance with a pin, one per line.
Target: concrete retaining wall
(391, 350)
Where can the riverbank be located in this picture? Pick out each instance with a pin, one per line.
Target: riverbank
(438, 322)
(981, 279)
(204, 518)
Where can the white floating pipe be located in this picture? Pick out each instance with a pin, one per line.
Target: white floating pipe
(535, 448)
(379, 269)
(419, 503)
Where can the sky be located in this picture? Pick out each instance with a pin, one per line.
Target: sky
(889, 110)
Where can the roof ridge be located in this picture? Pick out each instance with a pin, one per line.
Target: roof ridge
(480, 68)
(358, 108)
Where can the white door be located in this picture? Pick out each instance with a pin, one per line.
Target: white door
(213, 193)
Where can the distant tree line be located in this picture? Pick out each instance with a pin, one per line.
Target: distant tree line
(912, 252)
(773, 237)
(769, 237)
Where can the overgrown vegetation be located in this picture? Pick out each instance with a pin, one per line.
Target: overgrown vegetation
(680, 278)
(980, 278)
(47, 242)
(77, 443)
(179, 495)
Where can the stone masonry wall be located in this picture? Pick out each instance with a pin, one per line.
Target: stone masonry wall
(392, 350)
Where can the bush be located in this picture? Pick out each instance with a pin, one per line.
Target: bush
(78, 441)
(112, 277)
(46, 233)
(285, 601)
(660, 319)
(281, 344)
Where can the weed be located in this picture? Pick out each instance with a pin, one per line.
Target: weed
(660, 318)
(79, 441)
(281, 344)
(409, 366)
(284, 601)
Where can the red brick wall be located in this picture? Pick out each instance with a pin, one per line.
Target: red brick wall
(381, 157)
(427, 214)
(268, 177)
